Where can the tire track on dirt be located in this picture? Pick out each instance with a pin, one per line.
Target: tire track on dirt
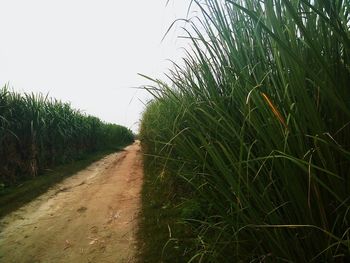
(89, 217)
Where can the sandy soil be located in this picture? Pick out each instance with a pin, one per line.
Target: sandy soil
(89, 217)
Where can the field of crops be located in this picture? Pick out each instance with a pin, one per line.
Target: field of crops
(37, 132)
(254, 130)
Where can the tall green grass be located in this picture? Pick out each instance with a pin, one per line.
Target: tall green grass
(37, 132)
(257, 121)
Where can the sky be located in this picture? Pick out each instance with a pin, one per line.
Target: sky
(89, 52)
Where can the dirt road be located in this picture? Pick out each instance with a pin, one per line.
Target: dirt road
(89, 217)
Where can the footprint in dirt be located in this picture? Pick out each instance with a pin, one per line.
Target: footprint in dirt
(94, 230)
(81, 209)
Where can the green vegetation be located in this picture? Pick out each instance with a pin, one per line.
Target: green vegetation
(254, 132)
(161, 237)
(38, 133)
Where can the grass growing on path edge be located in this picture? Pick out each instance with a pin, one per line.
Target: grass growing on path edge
(13, 197)
(162, 235)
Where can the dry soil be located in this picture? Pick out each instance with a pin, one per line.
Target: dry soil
(89, 217)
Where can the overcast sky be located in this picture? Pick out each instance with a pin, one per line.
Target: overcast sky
(88, 52)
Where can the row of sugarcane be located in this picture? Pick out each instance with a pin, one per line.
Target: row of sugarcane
(256, 121)
(37, 132)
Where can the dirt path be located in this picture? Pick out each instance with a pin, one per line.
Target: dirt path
(89, 217)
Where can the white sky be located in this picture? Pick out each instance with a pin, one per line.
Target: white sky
(88, 52)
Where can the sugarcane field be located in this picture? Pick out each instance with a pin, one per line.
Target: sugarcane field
(175, 131)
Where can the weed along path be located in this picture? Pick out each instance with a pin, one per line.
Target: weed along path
(89, 217)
